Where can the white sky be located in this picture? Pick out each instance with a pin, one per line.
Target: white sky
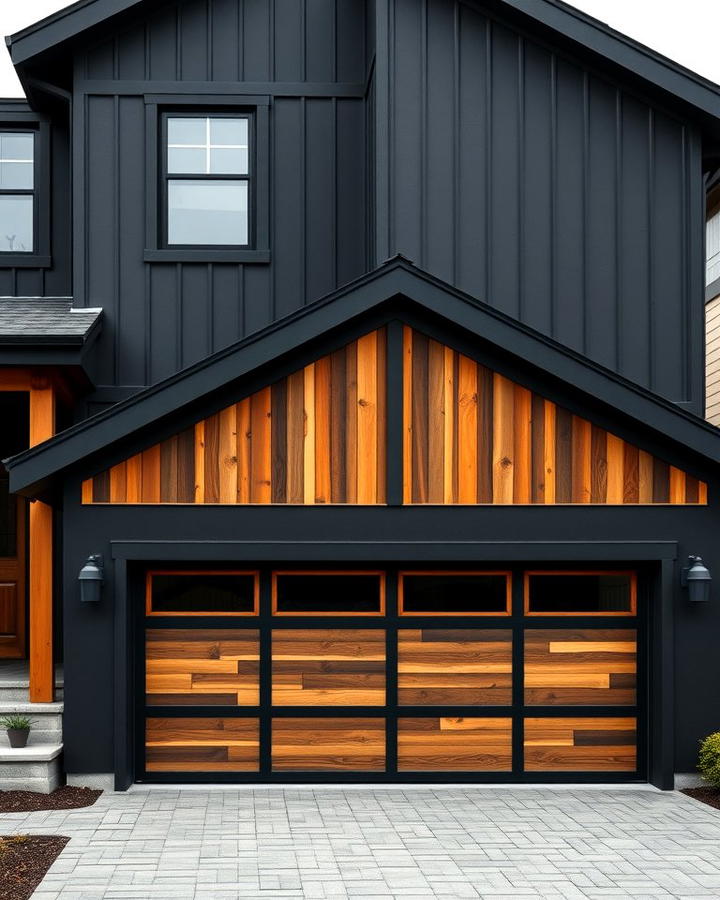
(685, 30)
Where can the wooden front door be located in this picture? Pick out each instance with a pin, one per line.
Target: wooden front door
(453, 674)
(12, 573)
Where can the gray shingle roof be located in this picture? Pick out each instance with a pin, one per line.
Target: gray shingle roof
(45, 320)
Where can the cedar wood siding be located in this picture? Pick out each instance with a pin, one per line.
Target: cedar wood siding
(534, 183)
(162, 317)
(712, 361)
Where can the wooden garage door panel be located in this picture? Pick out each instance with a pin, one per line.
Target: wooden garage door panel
(580, 667)
(580, 744)
(464, 667)
(454, 744)
(202, 668)
(202, 745)
(328, 745)
(318, 667)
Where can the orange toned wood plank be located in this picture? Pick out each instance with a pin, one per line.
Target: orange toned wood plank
(677, 485)
(549, 451)
(381, 431)
(351, 440)
(367, 448)
(341, 744)
(134, 479)
(151, 475)
(228, 462)
(702, 493)
(454, 744)
(522, 427)
(260, 413)
(42, 414)
(200, 462)
(407, 414)
(244, 436)
(87, 491)
(309, 435)
(212, 459)
(16, 380)
(645, 481)
(581, 456)
(592, 647)
(569, 679)
(467, 425)
(631, 474)
(322, 430)
(118, 483)
(295, 436)
(615, 469)
(449, 487)
(42, 670)
(436, 422)
(503, 439)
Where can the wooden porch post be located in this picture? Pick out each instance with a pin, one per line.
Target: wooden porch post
(42, 667)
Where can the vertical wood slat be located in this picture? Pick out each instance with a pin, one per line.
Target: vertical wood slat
(227, 449)
(407, 416)
(615, 469)
(522, 456)
(448, 410)
(212, 459)
(645, 477)
(467, 429)
(87, 491)
(581, 452)
(118, 483)
(367, 450)
(295, 437)
(279, 441)
(485, 435)
(322, 430)
(351, 389)
(338, 437)
(436, 422)
(244, 437)
(151, 475)
(134, 479)
(419, 417)
(598, 465)
(503, 439)
(537, 450)
(677, 485)
(563, 455)
(186, 466)
(169, 470)
(381, 429)
(549, 459)
(200, 462)
(260, 462)
(309, 435)
(631, 474)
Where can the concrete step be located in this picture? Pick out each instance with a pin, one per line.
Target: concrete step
(47, 719)
(32, 768)
(17, 692)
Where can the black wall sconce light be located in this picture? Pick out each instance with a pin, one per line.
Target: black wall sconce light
(696, 578)
(91, 578)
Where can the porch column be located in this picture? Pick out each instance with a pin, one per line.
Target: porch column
(42, 667)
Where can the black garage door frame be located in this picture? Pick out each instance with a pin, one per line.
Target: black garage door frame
(655, 562)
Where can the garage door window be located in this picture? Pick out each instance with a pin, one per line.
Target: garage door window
(580, 593)
(328, 593)
(202, 593)
(454, 593)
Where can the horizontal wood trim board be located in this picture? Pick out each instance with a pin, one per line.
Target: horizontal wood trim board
(470, 436)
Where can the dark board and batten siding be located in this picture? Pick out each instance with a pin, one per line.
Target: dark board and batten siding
(309, 58)
(540, 186)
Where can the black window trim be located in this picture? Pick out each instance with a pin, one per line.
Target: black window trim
(39, 257)
(158, 108)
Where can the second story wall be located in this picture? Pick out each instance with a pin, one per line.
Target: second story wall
(539, 185)
(307, 61)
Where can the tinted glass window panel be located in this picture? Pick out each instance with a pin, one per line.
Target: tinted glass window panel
(228, 161)
(16, 223)
(204, 593)
(356, 593)
(599, 593)
(208, 213)
(454, 593)
(187, 160)
(17, 154)
(229, 132)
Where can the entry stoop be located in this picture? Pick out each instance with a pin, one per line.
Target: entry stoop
(36, 767)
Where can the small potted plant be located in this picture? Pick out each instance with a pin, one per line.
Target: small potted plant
(18, 728)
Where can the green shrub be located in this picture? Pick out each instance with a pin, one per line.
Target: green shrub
(16, 721)
(709, 762)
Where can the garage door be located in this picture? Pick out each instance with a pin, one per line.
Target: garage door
(517, 675)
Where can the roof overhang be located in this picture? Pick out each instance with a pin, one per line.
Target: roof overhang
(393, 289)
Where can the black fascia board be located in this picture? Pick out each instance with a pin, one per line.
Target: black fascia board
(571, 24)
(396, 279)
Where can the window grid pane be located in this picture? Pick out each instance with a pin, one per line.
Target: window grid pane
(16, 223)
(208, 212)
(215, 138)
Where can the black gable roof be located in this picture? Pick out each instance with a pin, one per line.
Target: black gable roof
(397, 289)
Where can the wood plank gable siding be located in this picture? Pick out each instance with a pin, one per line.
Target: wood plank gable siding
(470, 436)
(473, 436)
(317, 436)
(712, 361)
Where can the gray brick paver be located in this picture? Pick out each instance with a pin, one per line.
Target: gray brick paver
(570, 844)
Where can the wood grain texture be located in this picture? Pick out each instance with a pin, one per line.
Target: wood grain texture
(454, 744)
(580, 667)
(200, 667)
(301, 675)
(472, 435)
(580, 745)
(446, 667)
(317, 436)
(328, 745)
(202, 744)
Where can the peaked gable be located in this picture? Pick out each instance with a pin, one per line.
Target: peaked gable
(470, 436)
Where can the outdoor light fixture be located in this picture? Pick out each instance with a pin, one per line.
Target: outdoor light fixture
(91, 579)
(696, 578)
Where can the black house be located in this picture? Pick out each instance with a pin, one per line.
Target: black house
(355, 353)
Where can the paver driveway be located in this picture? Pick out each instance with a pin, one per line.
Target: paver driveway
(449, 842)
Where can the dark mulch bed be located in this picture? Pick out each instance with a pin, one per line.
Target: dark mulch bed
(708, 795)
(63, 798)
(23, 863)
